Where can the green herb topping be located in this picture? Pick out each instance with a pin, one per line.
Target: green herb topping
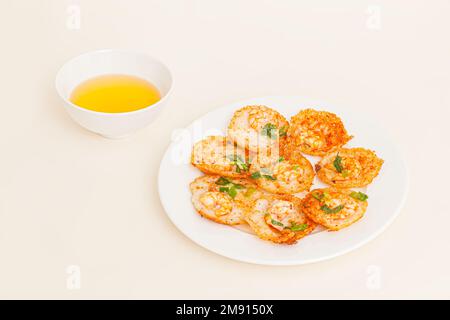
(299, 227)
(359, 196)
(318, 196)
(240, 164)
(255, 175)
(265, 173)
(338, 163)
(228, 186)
(269, 130)
(329, 210)
(277, 223)
(222, 181)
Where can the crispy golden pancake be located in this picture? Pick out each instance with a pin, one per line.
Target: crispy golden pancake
(223, 200)
(279, 219)
(349, 168)
(217, 155)
(258, 128)
(282, 176)
(335, 208)
(316, 133)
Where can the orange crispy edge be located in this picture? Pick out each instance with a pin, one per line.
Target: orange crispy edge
(330, 118)
(378, 165)
(318, 221)
(291, 237)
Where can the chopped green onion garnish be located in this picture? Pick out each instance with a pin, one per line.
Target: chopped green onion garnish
(232, 192)
(277, 223)
(222, 181)
(329, 210)
(318, 196)
(337, 163)
(240, 164)
(255, 175)
(299, 227)
(228, 186)
(269, 131)
(359, 196)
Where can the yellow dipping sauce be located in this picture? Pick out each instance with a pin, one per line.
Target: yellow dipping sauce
(115, 93)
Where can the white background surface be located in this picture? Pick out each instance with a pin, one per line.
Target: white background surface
(68, 197)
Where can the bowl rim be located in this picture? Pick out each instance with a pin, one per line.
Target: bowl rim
(114, 114)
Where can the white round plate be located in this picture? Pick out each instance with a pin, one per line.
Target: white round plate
(386, 194)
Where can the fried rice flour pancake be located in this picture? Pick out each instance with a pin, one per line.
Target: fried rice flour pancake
(279, 218)
(282, 176)
(335, 208)
(349, 168)
(316, 132)
(217, 155)
(258, 129)
(223, 200)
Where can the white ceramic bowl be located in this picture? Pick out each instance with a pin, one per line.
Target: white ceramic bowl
(91, 64)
